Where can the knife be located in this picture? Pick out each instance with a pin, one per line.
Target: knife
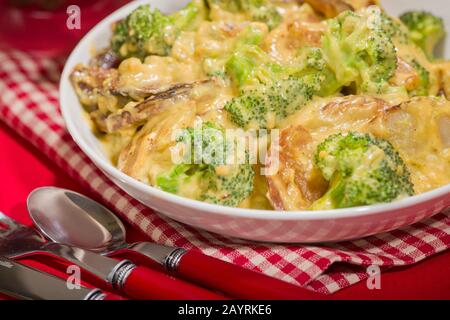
(25, 283)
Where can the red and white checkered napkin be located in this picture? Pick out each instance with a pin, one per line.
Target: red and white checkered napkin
(29, 105)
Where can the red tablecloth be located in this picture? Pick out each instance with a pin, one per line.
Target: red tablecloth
(23, 168)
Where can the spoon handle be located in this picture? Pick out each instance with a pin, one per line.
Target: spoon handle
(147, 284)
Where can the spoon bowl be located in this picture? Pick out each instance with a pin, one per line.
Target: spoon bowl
(68, 217)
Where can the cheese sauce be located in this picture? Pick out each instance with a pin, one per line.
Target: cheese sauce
(418, 128)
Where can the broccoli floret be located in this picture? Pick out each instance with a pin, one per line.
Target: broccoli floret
(360, 51)
(206, 165)
(256, 10)
(250, 65)
(362, 170)
(312, 64)
(276, 91)
(145, 31)
(231, 188)
(264, 106)
(141, 33)
(426, 30)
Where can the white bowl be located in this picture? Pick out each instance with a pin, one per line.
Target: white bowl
(260, 225)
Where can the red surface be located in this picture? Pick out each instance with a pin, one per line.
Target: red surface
(146, 284)
(111, 296)
(22, 169)
(238, 282)
(50, 34)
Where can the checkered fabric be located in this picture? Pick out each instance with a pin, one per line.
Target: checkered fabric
(29, 105)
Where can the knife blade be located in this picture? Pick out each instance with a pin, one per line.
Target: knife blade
(25, 283)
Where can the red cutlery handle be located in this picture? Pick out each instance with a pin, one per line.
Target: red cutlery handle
(236, 281)
(111, 296)
(148, 284)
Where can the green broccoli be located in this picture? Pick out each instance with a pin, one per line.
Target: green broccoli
(256, 10)
(207, 168)
(426, 30)
(358, 49)
(264, 106)
(145, 31)
(250, 65)
(274, 91)
(312, 64)
(362, 170)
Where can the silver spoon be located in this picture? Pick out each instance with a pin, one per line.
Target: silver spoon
(71, 218)
(68, 217)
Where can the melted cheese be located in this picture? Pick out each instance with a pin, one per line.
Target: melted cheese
(419, 129)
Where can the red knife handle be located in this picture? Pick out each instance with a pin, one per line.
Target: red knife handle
(147, 284)
(236, 281)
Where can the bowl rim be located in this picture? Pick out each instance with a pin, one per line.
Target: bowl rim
(258, 214)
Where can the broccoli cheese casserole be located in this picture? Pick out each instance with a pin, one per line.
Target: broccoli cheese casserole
(359, 100)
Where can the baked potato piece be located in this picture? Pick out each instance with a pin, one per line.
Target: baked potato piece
(90, 83)
(331, 8)
(420, 130)
(327, 116)
(135, 113)
(300, 28)
(359, 4)
(296, 184)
